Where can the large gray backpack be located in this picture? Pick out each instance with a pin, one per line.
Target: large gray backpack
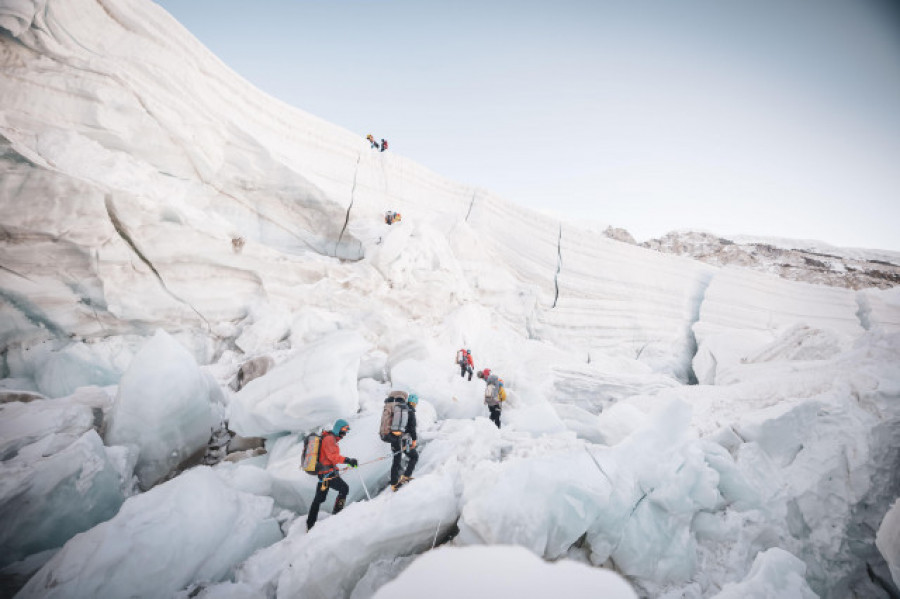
(394, 416)
(490, 394)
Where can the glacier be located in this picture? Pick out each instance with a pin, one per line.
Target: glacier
(185, 259)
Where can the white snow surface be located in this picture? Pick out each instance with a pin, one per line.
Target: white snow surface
(888, 540)
(775, 573)
(499, 571)
(145, 187)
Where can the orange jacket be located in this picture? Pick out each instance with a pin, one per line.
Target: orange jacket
(329, 452)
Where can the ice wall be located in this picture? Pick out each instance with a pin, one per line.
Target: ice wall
(198, 529)
(54, 488)
(749, 317)
(153, 157)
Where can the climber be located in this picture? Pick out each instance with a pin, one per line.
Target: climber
(398, 427)
(329, 476)
(494, 393)
(384, 144)
(464, 360)
(392, 217)
(408, 443)
(372, 141)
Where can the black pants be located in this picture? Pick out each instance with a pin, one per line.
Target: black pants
(463, 369)
(326, 482)
(495, 414)
(411, 454)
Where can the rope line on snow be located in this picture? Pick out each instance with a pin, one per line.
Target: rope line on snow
(372, 461)
(436, 530)
(600, 468)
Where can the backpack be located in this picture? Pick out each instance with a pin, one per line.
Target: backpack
(309, 462)
(394, 416)
(460, 357)
(489, 393)
(502, 394)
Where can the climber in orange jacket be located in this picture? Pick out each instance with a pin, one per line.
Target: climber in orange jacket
(329, 476)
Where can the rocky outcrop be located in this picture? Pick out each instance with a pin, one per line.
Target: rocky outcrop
(790, 263)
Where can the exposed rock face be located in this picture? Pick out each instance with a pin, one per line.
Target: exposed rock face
(795, 264)
(253, 369)
(619, 234)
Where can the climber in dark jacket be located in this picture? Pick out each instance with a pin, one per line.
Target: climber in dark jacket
(406, 444)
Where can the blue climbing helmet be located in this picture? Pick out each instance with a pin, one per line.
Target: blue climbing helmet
(341, 427)
(413, 399)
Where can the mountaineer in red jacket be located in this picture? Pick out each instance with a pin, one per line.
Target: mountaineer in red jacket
(329, 476)
(464, 359)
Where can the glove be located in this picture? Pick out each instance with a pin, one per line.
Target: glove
(352, 462)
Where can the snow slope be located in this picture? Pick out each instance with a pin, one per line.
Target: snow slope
(145, 186)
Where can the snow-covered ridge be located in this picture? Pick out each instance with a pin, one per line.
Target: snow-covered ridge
(145, 186)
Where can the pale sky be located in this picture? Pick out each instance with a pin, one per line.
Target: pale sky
(762, 117)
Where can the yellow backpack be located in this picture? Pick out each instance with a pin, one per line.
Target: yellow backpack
(309, 460)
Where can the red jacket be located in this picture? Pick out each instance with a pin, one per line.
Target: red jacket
(329, 452)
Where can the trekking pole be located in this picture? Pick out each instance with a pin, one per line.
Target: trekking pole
(363, 484)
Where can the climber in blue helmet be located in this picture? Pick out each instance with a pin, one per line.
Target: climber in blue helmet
(329, 476)
(406, 446)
